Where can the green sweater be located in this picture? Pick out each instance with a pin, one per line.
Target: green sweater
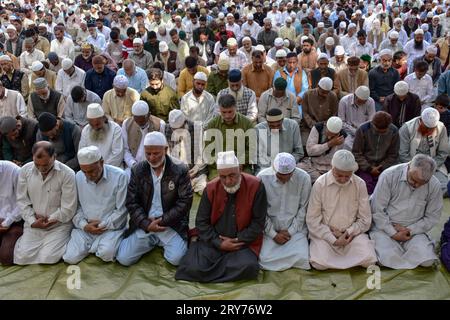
(162, 103)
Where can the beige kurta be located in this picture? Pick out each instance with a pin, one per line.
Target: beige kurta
(344, 208)
(55, 198)
(119, 108)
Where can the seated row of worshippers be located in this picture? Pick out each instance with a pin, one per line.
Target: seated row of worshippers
(273, 221)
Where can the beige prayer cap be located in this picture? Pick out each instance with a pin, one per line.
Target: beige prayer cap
(226, 160)
(223, 64)
(89, 155)
(334, 125)
(344, 160)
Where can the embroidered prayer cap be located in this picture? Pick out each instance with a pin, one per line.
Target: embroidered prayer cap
(430, 117)
(281, 53)
(278, 42)
(40, 83)
(284, 163)
(66, 64)
(401, 88)
(362, 92)
(344, 160)
(176, 119)
(140, 108)
(120, 82)
(326, 83)
(36, 66)
(432, 49)
(226, 160)
(200, 76)
(138, 41)
(155, 138)
(334, 124)
(394, 35)
(223, 64)
(339, 51)
(386, 52)
(329, 41)
(94, 111)
(163, 47)
(89, 155)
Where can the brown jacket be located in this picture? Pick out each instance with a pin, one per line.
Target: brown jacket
(342, 82)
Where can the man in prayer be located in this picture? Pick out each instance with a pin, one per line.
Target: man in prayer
(426, 135)
(44, 99)
(68, 77)
(76, 105)
(350, 78)
(101, 216)
(11, 226)
(134, 130)
(103, 133)
(117, 102)
(47, 200)
(406, 205)
(338, 216)
(159, 198)
(285, 243)
(12, 103)
(402, 105)
(230, 223)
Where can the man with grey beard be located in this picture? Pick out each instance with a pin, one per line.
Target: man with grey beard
(104, 134)
(230, 221)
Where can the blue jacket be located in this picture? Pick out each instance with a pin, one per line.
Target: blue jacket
(99, 82)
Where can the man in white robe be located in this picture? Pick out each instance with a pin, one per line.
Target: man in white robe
(285, 242)
(338, 216)
(47, 198)
(101, 216)
(406, 205)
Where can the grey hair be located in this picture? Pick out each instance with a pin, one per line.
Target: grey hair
(424, 164)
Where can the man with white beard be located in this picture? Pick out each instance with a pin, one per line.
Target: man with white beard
(104, 134)
(416, 47)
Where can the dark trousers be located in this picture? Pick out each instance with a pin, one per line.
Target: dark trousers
(8, 241)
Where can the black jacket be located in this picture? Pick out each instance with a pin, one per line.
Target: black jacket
(176, 196)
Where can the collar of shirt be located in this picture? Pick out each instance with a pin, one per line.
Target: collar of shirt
(56, 166)
(332, 180)
(404, 175)
(104, 177)
(155, 178)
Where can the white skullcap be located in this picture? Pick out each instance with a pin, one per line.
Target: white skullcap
(334, 124)
(227, 160)
(432, 49)
(351, 25)
(303, 38)
(321, 25)
(155, 138)
(11, 27)
(140, 108)
(221, 15)
(250, 16)
(358, 11)
(394, 35)
(418, 31)
(230, 15)
(322, 55)
(246, 39)
(278, 42)
(430, 14)
(120, 82)
(329, 41)
(5, 57)
(294, 16)
(260, 47)
(200, 76)
(326, 83)
(342, 24)
(89, 155)
(401, 88)
(138, 41)
(339, 51)
(430, 117)
(281, 53)
(398, 20)
(42, 25)
(192, 5)
(231, 42)
(386, 52)
(66, 64)
(424, 27)
(176, 119)
(163, 47)
(362, 92)
(284, 163)
(286, 42)
(94, 111)
(344, 160)
(289, 19)
(36, 66)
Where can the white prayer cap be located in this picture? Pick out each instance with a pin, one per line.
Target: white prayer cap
(89, 155)
(155, 138)
(321, 25)
(344, 160)
(246, 39)
(278, 42)
(386, 52)
(120, 82)
(339, 51)
(351, 25)
(401, 88)
(329, 41)
(281, 53)
(192, 5)
(11, 27)
(284, 163)
(261, 48)
(294, 16)
(36, 66)
(358, 11)
(221, 15)
(430, 14)
(226, 160)
(334, 124)
(418, 31)
(322, 55)
(231, 42)
(326, 84)
(303, 38)
(286, 42)
(430, 117)
(250, 16)
(342, 24)
(398, 20)
(42, 25)
(432, 49)
(394, 35)
(362, 92)
(138, 41)
(140, 108)
(163, 47)
(424, 27)
(66, 64)
(94, 111)
(176, 119)
(230, 15)
(289, 19)
(200, 76)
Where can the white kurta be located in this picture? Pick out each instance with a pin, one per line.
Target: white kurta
(55, 198)
(395, 201)
(344, 208)
(286, 210)
(9, 211)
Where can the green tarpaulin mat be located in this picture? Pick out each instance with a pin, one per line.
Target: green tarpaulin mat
(153, 278)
